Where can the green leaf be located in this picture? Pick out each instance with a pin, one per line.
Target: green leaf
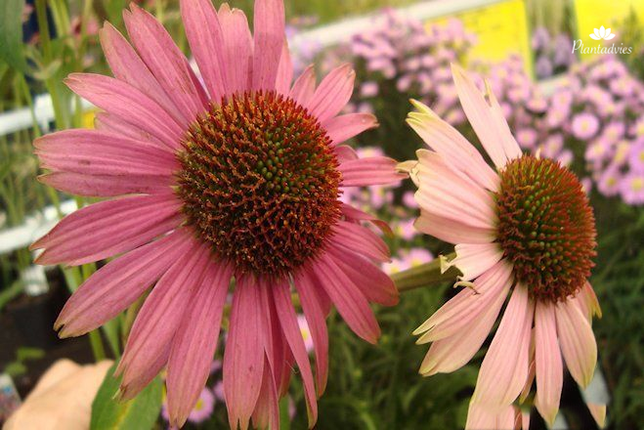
(140, 413)
(11, 49)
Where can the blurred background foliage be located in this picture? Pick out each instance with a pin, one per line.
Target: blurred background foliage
(377, 387)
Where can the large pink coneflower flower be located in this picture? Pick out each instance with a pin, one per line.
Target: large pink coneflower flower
(238, 179)
(524, 230)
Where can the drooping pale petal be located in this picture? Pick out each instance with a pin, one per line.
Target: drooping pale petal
(284, 71)
(108, 228)
(549, 369)
(451, 230)
(369, 171)
(129, 104)
(499, 384)
(118, 284)
(168, 64)
(333, 93)
(159, 318)
(104, 185)
(345, 153)
(376, 286)
(268, 35)
(206, 40)
(453, 147)
(350, 302)
(361, 240)
(315, 318)
(465, 308)
(473, 259)
(237, 50)
(453, 352)
(304, 87)
(244, 354)
(587, 301)
(344, 127)
(291, 330)
(195, 342)
(445, 192)
(483, 418)
(492, 130)
(93, 152)
(577, 342)
(127, 66)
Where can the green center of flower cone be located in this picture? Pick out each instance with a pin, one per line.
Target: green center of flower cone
(546, 227)
(260, 182)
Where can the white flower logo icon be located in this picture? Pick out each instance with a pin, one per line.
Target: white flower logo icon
(602, 33)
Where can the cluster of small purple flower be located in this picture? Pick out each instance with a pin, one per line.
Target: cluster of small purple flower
(401, 54)
(552, 55)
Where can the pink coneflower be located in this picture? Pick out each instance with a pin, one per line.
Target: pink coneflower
(524, 230)
(236, 179)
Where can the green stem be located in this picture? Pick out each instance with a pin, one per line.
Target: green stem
(97, 345)
(426, 275)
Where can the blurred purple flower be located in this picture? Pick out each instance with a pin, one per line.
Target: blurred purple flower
(584, 126)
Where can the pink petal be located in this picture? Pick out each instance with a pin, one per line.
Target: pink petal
(113, 124)
(345, 153)
(108, 228)
(291, 329)
(452, 146)
(333, 93)
(304, 87)
(490, 127)
(451, 353)
(206, 40)
(498, 383)
(269, 33)
(464, 309)
(244, 354)
(118, 284)
(195, 343)
(344, 127)
(370, 171)
(284, 71)
(361, 240)
(549, 369)
(168, 64)
(267, 413)
(577, 342)
(484, 418)
(96, 152)
(353, 214)
(351, 303)
(587, 301)
(452, 231)
(238, 49)
(129, 104)
(159, 318)
(472, 259)
(305, 286)
(106, 186)
(446, 192)
(374, 283)
(127, 66)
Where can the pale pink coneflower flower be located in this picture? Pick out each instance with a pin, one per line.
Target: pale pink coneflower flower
(524, 230)
(238, 178)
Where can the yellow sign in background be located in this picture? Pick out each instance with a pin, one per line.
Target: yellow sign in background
(593, 14)
(501, 29)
